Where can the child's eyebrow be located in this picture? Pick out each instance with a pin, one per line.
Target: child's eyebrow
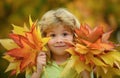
(48, 31)
(66, 30)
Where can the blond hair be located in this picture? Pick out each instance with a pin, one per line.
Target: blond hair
(58, 17)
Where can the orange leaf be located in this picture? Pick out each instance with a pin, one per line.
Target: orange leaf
(29, 43)
(90, 45)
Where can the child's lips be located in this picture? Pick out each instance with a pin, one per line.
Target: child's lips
(60, 46)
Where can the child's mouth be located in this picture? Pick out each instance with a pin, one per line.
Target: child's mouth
(60, 46)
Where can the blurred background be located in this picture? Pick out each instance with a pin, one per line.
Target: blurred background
(92, 12)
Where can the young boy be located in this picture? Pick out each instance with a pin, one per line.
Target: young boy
(59, 25)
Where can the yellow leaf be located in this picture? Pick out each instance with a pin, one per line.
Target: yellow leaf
(12, 66)
(44, 49)
(68, 66)
(96, 61)
(81, 49)
(26, 28)
(110, 73)
(45, 40)
(115, 55)
(70, 50)
(105, 69)
(34, 68)
(108, 59)
(80, 66)
(8, 44)
(9, 58)
(95, 51)
(116, 71)
(18, 30)
(30, 21)
(38, 31)
(117, 64)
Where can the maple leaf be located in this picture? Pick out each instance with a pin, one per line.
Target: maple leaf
(93, 49)
(24, 45)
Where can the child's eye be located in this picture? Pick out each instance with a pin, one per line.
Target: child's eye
(52, 35)
(65, 34)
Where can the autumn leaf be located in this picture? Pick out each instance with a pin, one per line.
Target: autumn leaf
(23, 46)
(94, 50)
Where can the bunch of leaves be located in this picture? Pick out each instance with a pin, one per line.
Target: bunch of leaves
(93, 51)
(23, 47)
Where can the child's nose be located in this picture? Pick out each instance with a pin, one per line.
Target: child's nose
(59, 40)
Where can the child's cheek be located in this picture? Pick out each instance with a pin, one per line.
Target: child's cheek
(50, 42)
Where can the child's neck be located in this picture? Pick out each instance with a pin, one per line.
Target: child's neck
(59, 59)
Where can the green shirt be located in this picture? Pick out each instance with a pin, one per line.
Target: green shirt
(52, 70)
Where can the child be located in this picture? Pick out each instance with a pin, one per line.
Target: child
(59, 25)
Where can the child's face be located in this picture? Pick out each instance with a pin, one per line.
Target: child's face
(58, 36)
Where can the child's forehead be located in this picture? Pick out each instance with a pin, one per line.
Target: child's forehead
(64, 28)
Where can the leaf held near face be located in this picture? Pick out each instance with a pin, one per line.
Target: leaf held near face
(22, 48)
(94, 51)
